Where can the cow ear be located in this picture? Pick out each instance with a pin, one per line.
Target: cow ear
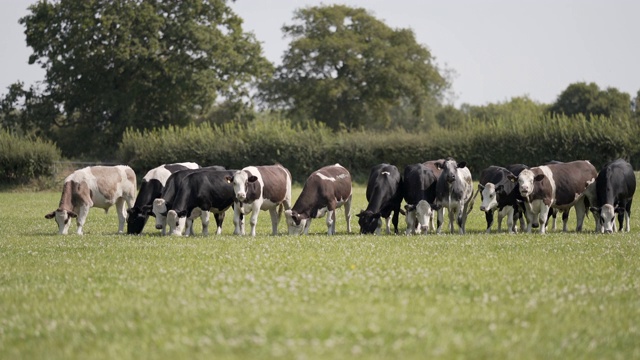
(288, 212)
(253, 178)
(619, 210)
(360, 213)
(480, 187)
(146, 209)
(71, 214)
(512, 178)
(377, 216)
(50, 215)
(229, 179)
(539, 177)
(462, 164)
(409, 207)
(594, 209)
(438, 165)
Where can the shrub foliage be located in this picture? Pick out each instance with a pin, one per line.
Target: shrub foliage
(269, 140)
(22, 159)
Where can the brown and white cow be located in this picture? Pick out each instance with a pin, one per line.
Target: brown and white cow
(324, 191)
(559, 186)
(260, 188)
(95, 186)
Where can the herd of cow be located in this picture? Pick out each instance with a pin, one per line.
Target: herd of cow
(177, 194)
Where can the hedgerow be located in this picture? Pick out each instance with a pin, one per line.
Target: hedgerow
(23, 159)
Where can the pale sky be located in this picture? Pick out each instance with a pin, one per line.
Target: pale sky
(498, 49)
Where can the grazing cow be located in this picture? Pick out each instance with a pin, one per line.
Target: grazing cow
(152, 184)
(99, 186)
(454, 191)
(384, 194)
(499, 192)
(419, 190)
(615, 186)
(201, 191)
(163, 204)
(260, 188)
(560, 186)
(324, 191)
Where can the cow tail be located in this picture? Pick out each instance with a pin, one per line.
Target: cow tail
(280, 211)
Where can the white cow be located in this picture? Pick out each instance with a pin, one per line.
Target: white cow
(95, 186)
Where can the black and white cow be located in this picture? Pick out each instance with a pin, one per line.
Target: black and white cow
(164, 203)
(560, 186)
(150, 189)
(454, 190)
(260, 188)
(437, 170)
(419, 191)
(201, 191)
(615, 187)
(94, 186)
(384, 194)
(324, 191)
(499, 192)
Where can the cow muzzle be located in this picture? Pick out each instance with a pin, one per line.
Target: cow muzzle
(241, 196)
(158, 227)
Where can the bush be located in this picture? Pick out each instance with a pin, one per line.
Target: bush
(23, 160)
(270, 140)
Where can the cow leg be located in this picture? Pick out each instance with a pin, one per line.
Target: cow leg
(509, 213)
(581, 211)
(275, 217)
(451, 219)
(331, 222)
(83, 211)
(488, 215)
(122, 214)
(205, 217)
(347, 213)
(627, 215)
(219, 217)
(238, 220)
(462, 218)
(395, 219)
(543, 217)
(530, 215)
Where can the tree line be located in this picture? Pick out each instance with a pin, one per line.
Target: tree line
(114, 66)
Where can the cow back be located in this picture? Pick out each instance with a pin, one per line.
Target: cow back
(571, 180)
(419, 183)
(322, 187)
(277, 182)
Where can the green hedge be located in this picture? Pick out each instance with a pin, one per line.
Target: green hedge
(23, 160)
(302, 150)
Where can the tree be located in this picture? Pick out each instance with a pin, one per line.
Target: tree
(589, 100)
(346, 68)
(116, 64)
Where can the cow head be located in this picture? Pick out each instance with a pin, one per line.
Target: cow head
(241, 181)
(137, 219)
(160, 211)
(489, 194)
(424, 212)
(527, 180)
(295, 222)
(450, 169)
(368, 221)
(63, 218)
(605, 216)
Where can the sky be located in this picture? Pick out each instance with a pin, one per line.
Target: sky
(495, 49)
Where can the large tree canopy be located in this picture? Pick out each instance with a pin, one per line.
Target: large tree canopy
(589, 100)
(113, 64)
(346, 68)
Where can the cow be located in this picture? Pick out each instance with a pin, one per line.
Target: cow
(419, 192)
(150, 189)
(324, 191)
(163, 204)
(454, 190)
(433, 166)
(260, 188)
(499, 192)
(384, 194)
(201, 191)
(95, 186)
(559, 186)
(615, 187)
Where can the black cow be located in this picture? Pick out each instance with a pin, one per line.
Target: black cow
(419, 190)
(150, 189)
(164, 203)
(499, 192)
(384, 194)
(324, 191)
(200, 192)
(615, 186)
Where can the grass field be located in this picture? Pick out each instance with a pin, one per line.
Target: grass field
(108, 296)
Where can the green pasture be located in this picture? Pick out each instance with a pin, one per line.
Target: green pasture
(476, 296)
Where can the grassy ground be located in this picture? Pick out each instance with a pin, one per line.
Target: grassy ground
(476, 296)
